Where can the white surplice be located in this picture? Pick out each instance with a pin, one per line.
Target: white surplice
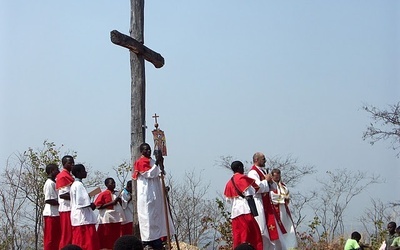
(150, 205)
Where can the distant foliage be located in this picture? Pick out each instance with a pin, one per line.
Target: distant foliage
(22, 198)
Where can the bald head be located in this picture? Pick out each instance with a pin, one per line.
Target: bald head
(259, 159)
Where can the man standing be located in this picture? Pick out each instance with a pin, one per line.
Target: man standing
(391, 228)
(51, 216)
(279, 194)
(244, 227)
(83, 219)
(150, 198)
(64, 181)
(263, 203)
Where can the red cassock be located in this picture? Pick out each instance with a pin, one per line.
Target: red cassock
(86, 237)
(51, 233)
(64, 179)
(108, 232)
(244, 227)
(141, 166)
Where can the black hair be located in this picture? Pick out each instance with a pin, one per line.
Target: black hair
(71, 247)
(392, 223)
(65, 159)
(77, 168)
(236, 166)
(244, 246)
(129, 183)
(50, 167)
(356, 236)
(107, 180)
(128, 242)
(141, 147)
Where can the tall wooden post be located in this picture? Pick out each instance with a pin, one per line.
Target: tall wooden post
(138, 97)
(138, 54)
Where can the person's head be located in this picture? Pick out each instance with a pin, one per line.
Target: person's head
(398, 230)
(71, 247)
(276, 175)
(391, 227)
(110, 183)
(129, 186)
(237, 167)
(128, 242)
(356, 236)
(244, 246)
(259, 159)
(145, 150)
(67, 162)
(79, 171)
(52, 170)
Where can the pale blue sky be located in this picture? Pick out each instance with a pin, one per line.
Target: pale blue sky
(281, 77)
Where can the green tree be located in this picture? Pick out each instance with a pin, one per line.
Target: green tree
(23, 198)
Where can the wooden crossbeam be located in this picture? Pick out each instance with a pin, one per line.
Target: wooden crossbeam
(138, 48)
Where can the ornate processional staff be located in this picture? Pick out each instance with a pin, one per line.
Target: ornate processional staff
(160, 150)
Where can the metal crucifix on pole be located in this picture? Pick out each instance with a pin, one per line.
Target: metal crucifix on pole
(138, 54)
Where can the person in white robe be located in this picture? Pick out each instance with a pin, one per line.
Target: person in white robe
(150, 199)
(279, 194)
(258, 172)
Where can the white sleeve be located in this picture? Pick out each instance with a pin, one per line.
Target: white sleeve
(264, 187)
(82, 197)
(50, 192)
(126, 197)
(153, 172)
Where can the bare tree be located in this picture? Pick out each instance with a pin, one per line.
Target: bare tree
(375, 219)
(292, 171)
(123, 172)
(385, 125)
(12, 202)
(192, 211)
(335, 195)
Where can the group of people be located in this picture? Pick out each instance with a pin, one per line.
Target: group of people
(392, 240)
(68, 212)
(260, 214)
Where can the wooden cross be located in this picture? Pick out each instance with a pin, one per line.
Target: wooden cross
(138, 54)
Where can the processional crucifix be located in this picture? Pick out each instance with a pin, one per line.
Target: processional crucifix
(138, 54)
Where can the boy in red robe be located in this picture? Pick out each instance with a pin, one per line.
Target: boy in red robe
(51, 216)
(64, 181)
(244, 227)
(83, 219)
(110, 215)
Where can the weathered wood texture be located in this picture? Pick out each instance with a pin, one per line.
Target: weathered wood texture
(138, 48)
(138, 94)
